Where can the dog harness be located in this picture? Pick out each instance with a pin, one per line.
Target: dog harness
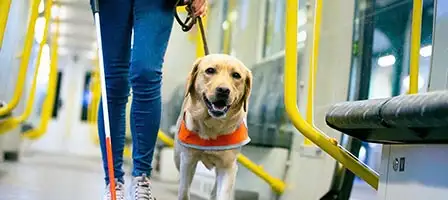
(233, 140)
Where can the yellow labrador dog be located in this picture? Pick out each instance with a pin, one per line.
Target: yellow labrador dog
(212, 124)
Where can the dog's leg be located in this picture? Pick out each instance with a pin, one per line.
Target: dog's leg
(187, 168)
(225, 182)
(215, 187)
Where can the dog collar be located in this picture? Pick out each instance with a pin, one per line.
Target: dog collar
(234, 140)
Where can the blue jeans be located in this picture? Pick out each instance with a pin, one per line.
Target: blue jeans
(152, 22)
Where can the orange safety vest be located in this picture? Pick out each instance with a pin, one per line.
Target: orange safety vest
(234, 140)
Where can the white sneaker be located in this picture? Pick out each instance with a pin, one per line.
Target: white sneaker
(141, 188)
(119, 191)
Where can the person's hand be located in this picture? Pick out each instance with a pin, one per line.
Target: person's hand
(199, 7)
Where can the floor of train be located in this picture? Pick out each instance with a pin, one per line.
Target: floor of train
(43, 176)
(55, 177)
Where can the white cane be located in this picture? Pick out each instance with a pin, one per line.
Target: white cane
(110, 164)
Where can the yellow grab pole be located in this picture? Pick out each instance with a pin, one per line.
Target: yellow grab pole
(276, 184)
(94, 103)
(96, 95)
(90, 106)
(18, 90)
(320, 139)
(93, 89)
(48, 105)
(165, 139)
(415, 45)
(5, 6)
(313, 64)
(13, 122)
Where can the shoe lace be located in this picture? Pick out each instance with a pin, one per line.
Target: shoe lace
(119, 191)
(143, 189)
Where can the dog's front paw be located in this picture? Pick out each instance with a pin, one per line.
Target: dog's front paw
(184, 198)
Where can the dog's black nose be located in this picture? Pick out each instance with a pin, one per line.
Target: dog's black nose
(222, 91)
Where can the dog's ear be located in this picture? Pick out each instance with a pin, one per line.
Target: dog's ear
(192, 78)
(247, 89)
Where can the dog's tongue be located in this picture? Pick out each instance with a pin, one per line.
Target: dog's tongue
(218, 107)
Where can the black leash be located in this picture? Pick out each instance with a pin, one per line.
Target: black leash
(190, 21)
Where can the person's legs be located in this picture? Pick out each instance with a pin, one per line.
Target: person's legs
(116, 26)
(153, 21)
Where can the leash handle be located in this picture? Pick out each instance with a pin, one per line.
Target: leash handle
(190, 21)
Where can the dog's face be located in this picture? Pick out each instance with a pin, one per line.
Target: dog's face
(221, 82)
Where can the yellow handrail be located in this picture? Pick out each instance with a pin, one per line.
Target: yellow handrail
(95, 88)
(95, 96)
(316, 136)
(313, 65)
(276, 184)
(415, 45)
(13, 122)
(48, 105)
(5, 6)
(18, 90)
(92, 87)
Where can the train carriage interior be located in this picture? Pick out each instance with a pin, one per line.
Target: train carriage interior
(349, 99)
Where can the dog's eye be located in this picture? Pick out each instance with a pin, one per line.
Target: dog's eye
(210, 70)
(236, 75)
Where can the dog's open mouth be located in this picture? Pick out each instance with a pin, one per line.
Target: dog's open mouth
(217, 108)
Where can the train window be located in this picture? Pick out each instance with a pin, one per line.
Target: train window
(57, 100)
(380, 62)
(425, 51)
(391, 49)
(227, 25)
(86, 97)
(274, 30)
(241, 29)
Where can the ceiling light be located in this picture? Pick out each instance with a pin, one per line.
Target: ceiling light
(421, 82)
(58, 11)
(39, 29)
(41, 8)
(301, 36)
(225, 25)
(55, 11)
(426, 51)
(44, 67)
(233, 16)
(386, 61)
